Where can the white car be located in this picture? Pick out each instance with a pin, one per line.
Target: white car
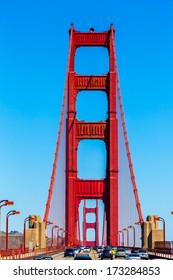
(143, 254)
(87, 249)
(76, 251)
(120, 253)
(133, 256)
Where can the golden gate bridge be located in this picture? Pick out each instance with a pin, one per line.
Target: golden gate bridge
(118, 190)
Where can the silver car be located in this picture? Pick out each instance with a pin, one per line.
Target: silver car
(120, 253)
(143, 254)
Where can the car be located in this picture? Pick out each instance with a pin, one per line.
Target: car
(107, 248)
(99, 251)
(95, 248)
(43, 257)
(69, 252)
(133, 256)
(76, 250)
(128, 251)
(82, 257)
(106, 254)
(87, 249)
(120, 253)
(143, 254)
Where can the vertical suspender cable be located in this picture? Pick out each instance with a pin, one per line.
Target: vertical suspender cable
(127, 145)
(59, 138)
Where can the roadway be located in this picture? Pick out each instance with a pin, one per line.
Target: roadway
(60, 256)
(94, 256)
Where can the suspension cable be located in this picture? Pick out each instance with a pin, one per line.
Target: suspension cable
(59, 137)
(127, 142)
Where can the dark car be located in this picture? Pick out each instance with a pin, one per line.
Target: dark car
(83, 257)
(42, 257)
(106, 254)
(69, 252)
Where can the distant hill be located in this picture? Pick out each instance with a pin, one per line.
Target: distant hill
(15, 240)
(11, 232)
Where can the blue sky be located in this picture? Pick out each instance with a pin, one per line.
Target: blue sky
(33, 57)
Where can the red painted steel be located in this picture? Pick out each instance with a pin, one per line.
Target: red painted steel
(90, 130)
(106, 189)
(94, 225)
(110, 189)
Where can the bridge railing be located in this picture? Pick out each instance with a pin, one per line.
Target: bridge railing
(18, 254)
(166, 253)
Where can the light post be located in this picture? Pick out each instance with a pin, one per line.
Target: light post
(140, 224)
(12, 212)
(49, 223)
(57, 237)
(121, 231)
(134, 244)
(119, 238)
(125, 229)
(52, 234)
(62, 235)
(4, 202)
(163, 221)
(24, 231)
(60, 243)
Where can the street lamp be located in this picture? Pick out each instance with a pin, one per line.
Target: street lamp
(57, 236)
(49, 223)
(12, 212)
(163, 221)
(24, 230)
(133, 235)
(125, 229)
(52, 234)
(4, 202)
(140, 224)
(122, 237)
(119, 238)
(62, 235)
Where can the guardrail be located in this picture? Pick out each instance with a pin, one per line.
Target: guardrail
(166, 253)
(18, 254)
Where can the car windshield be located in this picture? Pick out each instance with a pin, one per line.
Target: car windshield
(120, 250)
(69, 250)
(142, 251)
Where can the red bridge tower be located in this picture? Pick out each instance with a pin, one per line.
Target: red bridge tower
(94, 225)
(105, 189)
